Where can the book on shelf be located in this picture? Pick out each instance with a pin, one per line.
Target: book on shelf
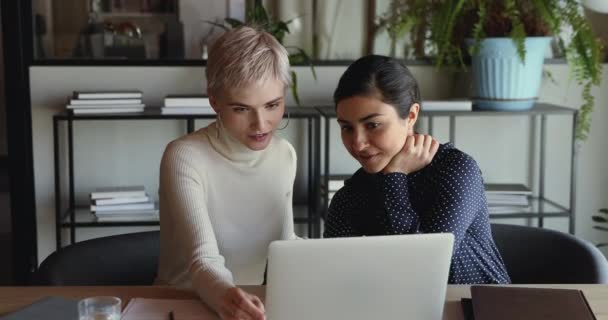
(107, 110)
(336, 181)
(103, 102)
(509, 209)
(446, 105)
(103, 94)
(507, 188)
(186, 100)
(512, 200)
(127, 218)
(118, 192)
(103, 106)
(122, 207)
(127, 212)
(112, 201)
(186, 110)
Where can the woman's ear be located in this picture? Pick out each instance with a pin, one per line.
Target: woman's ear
(412, 115)
(213, 102)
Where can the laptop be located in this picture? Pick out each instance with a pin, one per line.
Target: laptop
(363, 278)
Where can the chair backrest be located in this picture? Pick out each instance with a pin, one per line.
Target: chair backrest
(126, 259)
(536, 255)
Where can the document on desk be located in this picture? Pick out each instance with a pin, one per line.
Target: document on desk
(507, 303)
(159, 309)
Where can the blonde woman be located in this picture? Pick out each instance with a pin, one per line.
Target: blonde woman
(226, 190)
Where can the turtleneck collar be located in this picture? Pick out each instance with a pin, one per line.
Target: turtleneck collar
(229, 147)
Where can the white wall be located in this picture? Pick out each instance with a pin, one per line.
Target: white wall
(129, 152)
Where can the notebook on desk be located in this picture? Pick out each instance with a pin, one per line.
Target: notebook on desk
(46, 308)
(380, 277)
(502, 303)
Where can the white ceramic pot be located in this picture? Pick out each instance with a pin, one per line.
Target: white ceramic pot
(596, 5)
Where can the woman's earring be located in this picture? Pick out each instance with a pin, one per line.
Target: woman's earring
(219, 123)
(287, 124)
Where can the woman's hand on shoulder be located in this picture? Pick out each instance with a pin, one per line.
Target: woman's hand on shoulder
(236, 304)
(418, 151)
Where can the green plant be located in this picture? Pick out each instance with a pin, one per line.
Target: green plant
(602, 224)
(441, 25)
(256, 15)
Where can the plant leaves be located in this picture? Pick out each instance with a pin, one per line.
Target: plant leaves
(259, 14)
(223, 26)
(301, 57)
(294, 87)
(234, 23)
(599, 219)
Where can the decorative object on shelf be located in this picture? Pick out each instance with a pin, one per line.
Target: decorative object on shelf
(440, 27)
(602, 224)
(258, 16)
(600, 6)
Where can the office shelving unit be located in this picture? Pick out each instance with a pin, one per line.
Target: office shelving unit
(80, 216)
(541, 206)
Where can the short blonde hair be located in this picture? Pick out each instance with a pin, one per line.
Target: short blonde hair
(245, 55)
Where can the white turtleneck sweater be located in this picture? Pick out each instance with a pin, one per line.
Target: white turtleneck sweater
(221, 204)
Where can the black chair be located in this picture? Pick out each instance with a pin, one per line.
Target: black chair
(536, 255)
(126, 259)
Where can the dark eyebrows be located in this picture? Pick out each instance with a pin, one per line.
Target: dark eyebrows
(373, 115)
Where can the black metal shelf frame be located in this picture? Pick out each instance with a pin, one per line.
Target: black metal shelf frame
(68, 218)
(540, 110)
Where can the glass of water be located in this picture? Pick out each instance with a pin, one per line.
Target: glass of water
(99, 308)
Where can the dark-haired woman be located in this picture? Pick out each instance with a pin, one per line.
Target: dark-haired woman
(408, 183)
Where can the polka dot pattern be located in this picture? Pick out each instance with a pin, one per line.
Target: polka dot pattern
(446, 196)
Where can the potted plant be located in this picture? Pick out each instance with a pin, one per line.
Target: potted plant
(257, 15)
(512, 33)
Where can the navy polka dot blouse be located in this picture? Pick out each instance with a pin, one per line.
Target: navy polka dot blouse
(445, 196)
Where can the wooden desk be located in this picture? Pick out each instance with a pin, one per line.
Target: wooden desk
(13, 298)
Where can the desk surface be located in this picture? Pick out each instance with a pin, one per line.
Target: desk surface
(13, 298)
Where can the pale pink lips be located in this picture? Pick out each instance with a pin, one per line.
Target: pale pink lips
(259, 137)
(367, 158)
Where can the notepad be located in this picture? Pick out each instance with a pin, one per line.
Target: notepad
(158, 309)
(46, 308)
(502, 303)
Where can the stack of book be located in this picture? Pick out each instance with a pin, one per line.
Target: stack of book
(103, 102)
(508, 198)
(129, 203)
(187, 104)
(446, 105)
(335, 182)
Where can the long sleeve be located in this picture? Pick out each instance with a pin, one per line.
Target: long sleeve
(338, 223)
(458, 189)
(399, 214)
(183, 195)
(459, 197)
(288, 229)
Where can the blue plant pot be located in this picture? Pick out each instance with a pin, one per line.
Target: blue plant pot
(500, 80)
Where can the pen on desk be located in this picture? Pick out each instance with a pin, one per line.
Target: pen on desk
(171, 315)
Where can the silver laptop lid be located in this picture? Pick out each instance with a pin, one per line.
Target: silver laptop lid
(383, 277)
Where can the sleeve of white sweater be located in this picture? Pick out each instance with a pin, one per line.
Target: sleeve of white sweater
(288, 228)
(183, 190)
